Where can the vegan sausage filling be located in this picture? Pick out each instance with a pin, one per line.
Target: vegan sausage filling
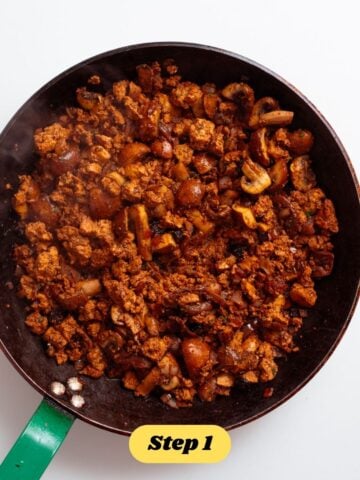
(174, 232)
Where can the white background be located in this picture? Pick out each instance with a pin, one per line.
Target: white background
(314, 45)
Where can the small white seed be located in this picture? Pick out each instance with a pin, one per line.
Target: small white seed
(74, 384)
(77, 401)
(57, 388)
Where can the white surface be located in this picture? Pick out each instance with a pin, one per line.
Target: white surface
(314, 45)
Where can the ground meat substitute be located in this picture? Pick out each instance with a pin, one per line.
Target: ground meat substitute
(174, 232)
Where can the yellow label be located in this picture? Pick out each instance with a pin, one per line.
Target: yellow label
(180, 444)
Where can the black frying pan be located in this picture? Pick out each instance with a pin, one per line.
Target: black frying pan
(107, 405)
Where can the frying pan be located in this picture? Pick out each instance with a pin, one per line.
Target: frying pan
(107, 404)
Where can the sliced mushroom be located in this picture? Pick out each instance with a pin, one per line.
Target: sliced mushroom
(258, 146)
(139, 216)
(302, 176)
(279, 175)
(242, 94)
(245, 215)
(110, 341)
(170, 384)
(88, 100)
(279, 118)
(256, 178)
(133, 152)
(263, 105)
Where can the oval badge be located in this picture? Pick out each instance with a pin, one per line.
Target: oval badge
(180, 444)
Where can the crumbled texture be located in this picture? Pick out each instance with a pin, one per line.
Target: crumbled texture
(174, 232)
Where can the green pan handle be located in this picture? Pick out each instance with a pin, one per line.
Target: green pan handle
(38, 443)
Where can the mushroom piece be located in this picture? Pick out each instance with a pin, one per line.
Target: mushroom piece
(196, 355)
(278, 145)
(86, 99)
(72, 300)
(266, 113)
(279, 175)
(302, 176)
(44, 210)
(163, 243)
(170, 384)
(101, 204)
(133, 152)
(110, 341)
(148, 383)
(245, 215)
(242, 94)
(258, 146)
(203, 162)
(162, 149)
(256, 178)
(276, 118)
(140, 219)
(64, 161)
(190, 193)
(263, 105)
(301, 141)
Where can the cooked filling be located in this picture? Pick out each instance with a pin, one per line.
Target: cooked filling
(173, 235)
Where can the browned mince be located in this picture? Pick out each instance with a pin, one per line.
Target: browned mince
(174, 233)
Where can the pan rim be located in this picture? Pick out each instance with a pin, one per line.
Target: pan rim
(316, 112)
